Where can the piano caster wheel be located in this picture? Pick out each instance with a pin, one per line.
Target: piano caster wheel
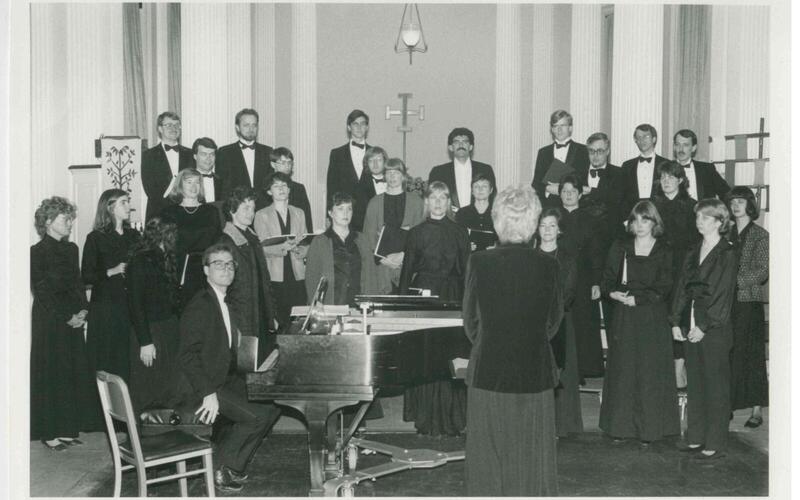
(352, 458)
(347, 491)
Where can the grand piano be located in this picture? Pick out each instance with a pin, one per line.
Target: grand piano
(394, 342)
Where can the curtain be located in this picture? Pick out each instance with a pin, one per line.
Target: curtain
(134, 106)
(174, 56)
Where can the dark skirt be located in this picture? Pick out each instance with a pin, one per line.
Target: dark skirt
(588, 342)
(150, 387)
(62, 390)
(567, 394)
(640, 399)
(107, 337)
(437, 408)
(287, 295)
(749, 386)
(511, 444)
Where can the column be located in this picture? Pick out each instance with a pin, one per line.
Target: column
(507, 96)
(637, 88)
(239, 61)
(543, 83)
(263, 54)
(586, 67)
(303, 114)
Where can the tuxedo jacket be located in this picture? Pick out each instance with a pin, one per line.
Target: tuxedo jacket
(233, 170)
(709, 182)
(607, 196)
(297, 198)
(631, 179)
(364, 192)
(156, 176)
(577, 158)
(446, 172)
(341, 176)
(204, 357)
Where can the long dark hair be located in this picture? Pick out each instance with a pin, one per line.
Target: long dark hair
(104, 217)
(160, 232)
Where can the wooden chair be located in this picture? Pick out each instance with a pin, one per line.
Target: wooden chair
(149, 451)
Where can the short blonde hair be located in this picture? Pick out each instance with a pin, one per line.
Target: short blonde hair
(49, 210)
(516, 213)
(713, 207)
(176, 194)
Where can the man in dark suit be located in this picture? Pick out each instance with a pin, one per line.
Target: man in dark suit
(244, 162)
(208, 376)
(604, 183)
(641, 172)
(704, 180)
(204, 150)
(282, 160)
(371, 184)
(459, 172)
(161, 163)
(346, 163)
(566, 151)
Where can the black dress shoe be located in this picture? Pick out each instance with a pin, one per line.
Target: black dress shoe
(239, 477)
(712, 456)
(71, 442)
(754, 422)
(225, 482)
(689, 449)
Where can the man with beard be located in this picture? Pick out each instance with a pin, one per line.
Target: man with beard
(459, 172)
(244, 162)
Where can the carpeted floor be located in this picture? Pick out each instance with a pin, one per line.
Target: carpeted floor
(588, 465)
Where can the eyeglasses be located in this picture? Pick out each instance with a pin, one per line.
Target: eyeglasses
(597, 151)
(171, 125)
(220, 265)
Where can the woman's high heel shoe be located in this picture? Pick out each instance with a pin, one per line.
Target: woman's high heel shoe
(54, 447)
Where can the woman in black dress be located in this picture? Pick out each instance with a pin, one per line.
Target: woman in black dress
(199, 227)
(153, 303)
(640, 399)
(435, 259)
(105, 258)
(676, 207)
(61, 384)
(749, 386)
(567, 393)
(701, 309)
(512, 309)
(477, 216)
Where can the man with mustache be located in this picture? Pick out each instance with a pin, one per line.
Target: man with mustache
(704, 180)
(245, 162)
(458, 173)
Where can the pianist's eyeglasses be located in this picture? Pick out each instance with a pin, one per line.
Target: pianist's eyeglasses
(219, 265)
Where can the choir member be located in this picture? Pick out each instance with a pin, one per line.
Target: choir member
(676, 207)
(749, 386)
(585, 236)
(250, 292)
(564, 154)
(153, 302)
(512, 308)
(604, 184)
(458, 173)
(285, 261)
(641, 173)
(477, 216)
(640, 399)
(372, 182)
(62, 387)
(161, 163)
(245, 162)
(701, 315)
(567, 393)
(704, 180)
(397, 208)
(435, 259)
(198, 225)
(205, 152)
(105, 258)
(340, 254)
(282, 160)
(346, 162)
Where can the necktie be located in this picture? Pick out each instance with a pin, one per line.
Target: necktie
(167, 147)
(360, 146)
(559, 146)
(646, 160)
(594, 172)
(248, 146)
(378, 181)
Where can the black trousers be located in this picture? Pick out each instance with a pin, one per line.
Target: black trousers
(708, 373)
(236, 443)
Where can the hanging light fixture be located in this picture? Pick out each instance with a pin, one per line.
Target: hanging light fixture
(410, 38)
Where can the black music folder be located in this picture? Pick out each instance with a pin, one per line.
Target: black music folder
(482, 238)
(557, 171)
(391, 239)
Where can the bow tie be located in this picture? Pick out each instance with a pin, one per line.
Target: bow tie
(210, 176)
(378, 181)
(248, 146)
(688, 165)
(167, 147)
(559, 146)
(646, 160)
(358, 145)
(594, 172)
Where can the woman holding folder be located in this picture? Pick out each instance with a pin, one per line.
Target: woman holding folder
(477, 216)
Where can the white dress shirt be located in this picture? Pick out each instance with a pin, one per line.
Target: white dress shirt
(644, 174)
(173, 158)
(357, 154)
(463, 173)
(249, 159)
(691, 176)
(380, 187)
(560, 154)
(594, 181)
(208, 188)
(226, 317)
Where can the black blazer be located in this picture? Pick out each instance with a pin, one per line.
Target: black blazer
(446, 173)
(156, 176)
(204, 357)
(509, 322)
(233, 170)
(607, 196)
(341, 173)
(364, 191)
(577, 157)
(709, 182)
(631, 181)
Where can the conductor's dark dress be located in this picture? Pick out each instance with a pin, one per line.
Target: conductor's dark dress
(108, 322)
(640, 399)
(61, 386)
(512, 308)
(436, 258)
